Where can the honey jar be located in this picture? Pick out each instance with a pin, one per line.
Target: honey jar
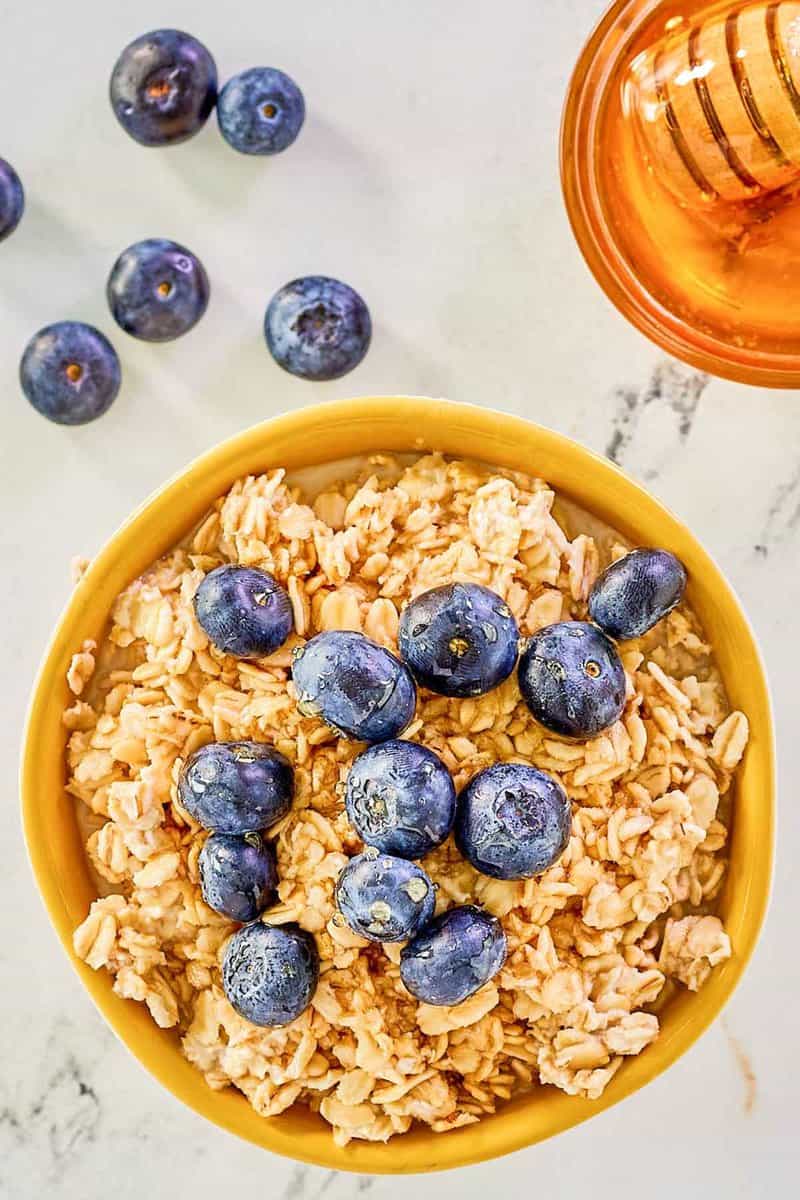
(680, 156)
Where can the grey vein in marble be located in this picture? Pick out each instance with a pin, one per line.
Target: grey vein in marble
(300, 1185)
(674, 391)
(64, 1115)
(783, 513)
(295, 1187)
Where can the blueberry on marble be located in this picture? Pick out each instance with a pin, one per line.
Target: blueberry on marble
(400, 797)
(70, 373)
(385, 899)
(459, 640)
(12, 199)
(260, 111)
(157, 290)
(270, 973)
(636, 592)
(454, 956)
(163, 87)
(513, 821)
(244, 611)
(572, 679)
(238, 875)
(236, 787)
(317, 328)
(354, 685)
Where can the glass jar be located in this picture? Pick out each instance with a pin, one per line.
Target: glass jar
(680, 157)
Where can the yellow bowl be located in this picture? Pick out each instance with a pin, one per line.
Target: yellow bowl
(320, 434)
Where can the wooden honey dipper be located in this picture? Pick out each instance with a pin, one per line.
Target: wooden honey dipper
(718, 103)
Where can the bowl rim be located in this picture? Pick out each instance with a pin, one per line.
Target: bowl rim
(578, 152)
(493, 1136)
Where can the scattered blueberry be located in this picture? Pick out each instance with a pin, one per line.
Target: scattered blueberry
(356, 686)
(401, 798)
(236, 787)
(454, 956)
(634, 593)
(12, 199)
(270, 973)
(70, 373)
(244, 611)
(238, 875)
(572, 680)
(260, 111)
(513, 821)
(157, 290)
(459, 640)
(163, 87)
(317, 328)
(385, 899)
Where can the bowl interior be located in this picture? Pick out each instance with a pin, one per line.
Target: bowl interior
(306, 438)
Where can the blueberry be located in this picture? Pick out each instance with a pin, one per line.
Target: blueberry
(385, 899)
(70, 373)
(356, 686)
(317, 328)
(260, 111)
(454, 956)
(245, 612)
(163, 87)
(572, 680)
(270, 973)
(400, 797)
(459, 640)
(236, 787)
(238, 875)
(157, 290)
(634, 593)
(12, 199)
(513, 821)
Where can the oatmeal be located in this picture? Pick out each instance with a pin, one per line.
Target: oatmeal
(592, 942)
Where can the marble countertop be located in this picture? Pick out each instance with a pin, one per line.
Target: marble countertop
(427, 177)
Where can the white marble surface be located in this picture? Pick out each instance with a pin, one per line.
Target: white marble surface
(426, 176)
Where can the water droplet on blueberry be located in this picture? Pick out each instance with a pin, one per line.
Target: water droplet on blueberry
(457, 640)
(401, 798)
(636, 592)
(572, 679)
(383, 898)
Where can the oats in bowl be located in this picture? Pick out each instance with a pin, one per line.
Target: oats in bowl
(595, 942)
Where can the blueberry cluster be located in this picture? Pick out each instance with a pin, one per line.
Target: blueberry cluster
(238, 791)
(163, 89)
(512, 821)
(570, 674)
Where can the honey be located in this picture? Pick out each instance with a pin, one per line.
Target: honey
(681, 162)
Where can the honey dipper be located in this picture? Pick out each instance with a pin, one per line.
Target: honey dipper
(718, 103)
